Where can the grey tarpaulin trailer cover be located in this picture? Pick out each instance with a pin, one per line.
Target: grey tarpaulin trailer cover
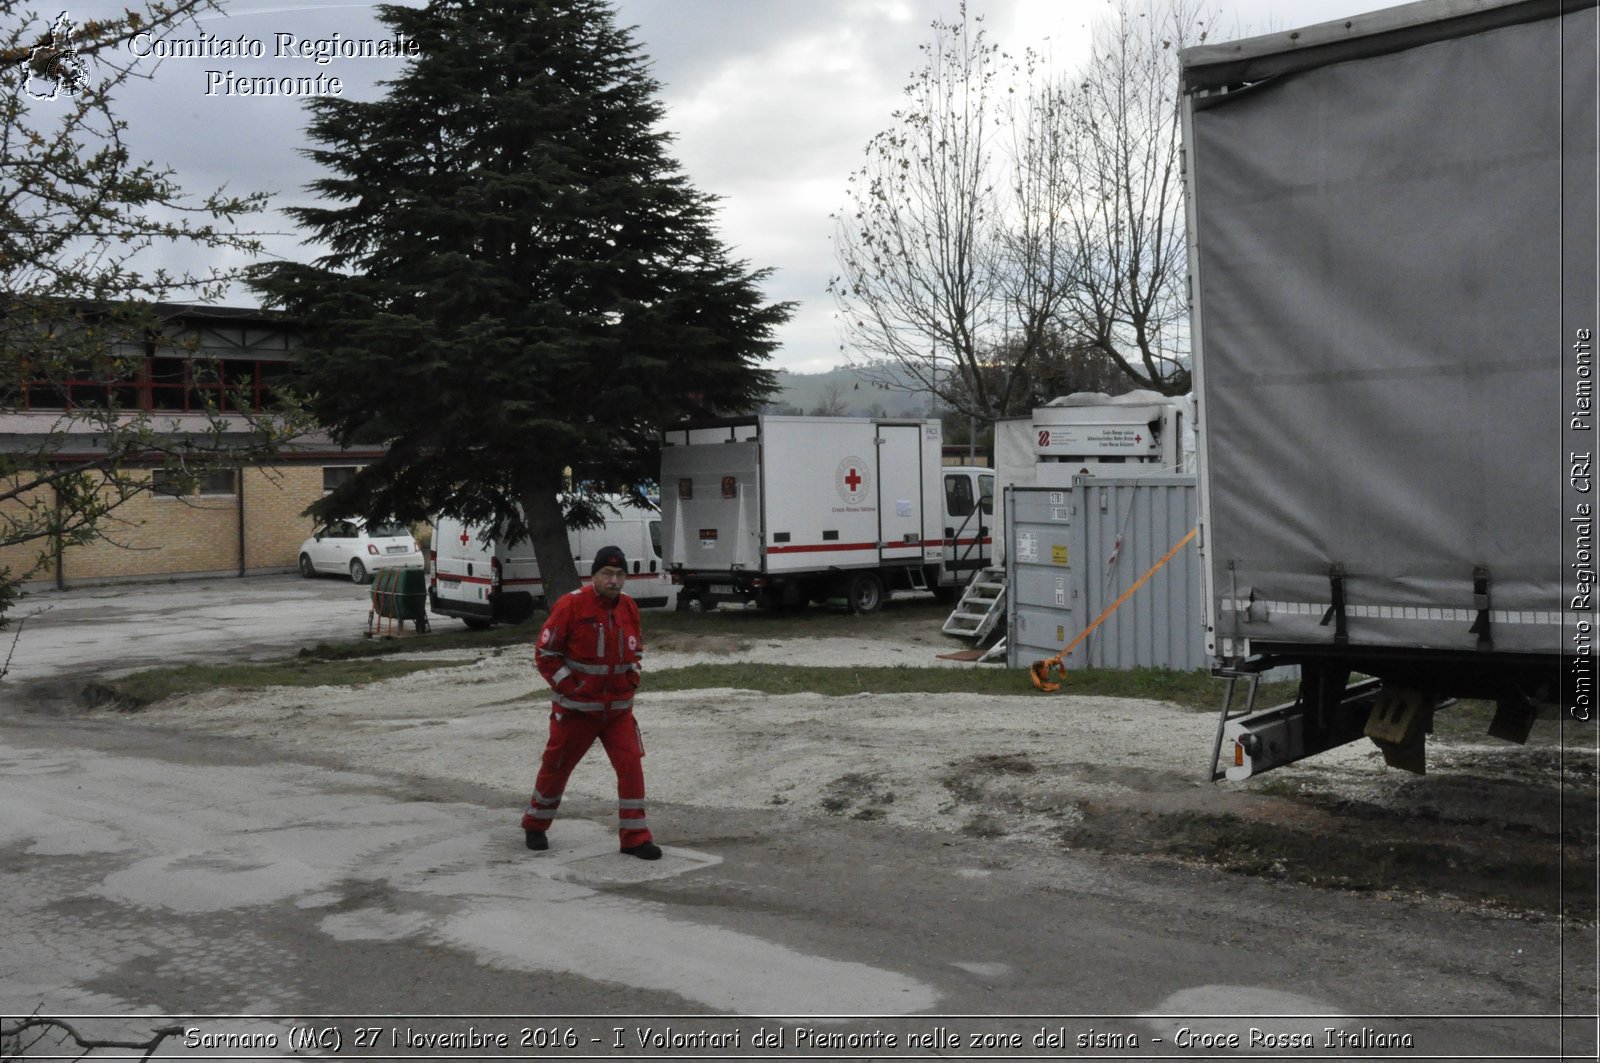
(1393, 285)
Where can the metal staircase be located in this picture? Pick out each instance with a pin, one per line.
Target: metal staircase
(982, 607)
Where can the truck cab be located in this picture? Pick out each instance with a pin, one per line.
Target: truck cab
(968, 521)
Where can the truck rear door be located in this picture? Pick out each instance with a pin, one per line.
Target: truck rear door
(711, 505)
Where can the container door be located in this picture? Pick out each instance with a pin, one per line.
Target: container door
(900, 491)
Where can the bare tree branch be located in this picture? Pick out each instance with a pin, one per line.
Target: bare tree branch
(1122, 149)
(1010, 222)
(943, 256)
(15, 1040)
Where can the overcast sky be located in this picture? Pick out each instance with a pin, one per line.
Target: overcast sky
(772, 103)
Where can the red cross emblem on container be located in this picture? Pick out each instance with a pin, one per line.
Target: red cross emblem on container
(853, 481)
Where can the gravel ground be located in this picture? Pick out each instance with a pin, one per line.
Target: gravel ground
(1491, 825)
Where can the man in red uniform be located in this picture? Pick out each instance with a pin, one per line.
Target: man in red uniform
(589, 654)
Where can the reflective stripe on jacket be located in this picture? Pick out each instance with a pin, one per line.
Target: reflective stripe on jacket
(589, 652)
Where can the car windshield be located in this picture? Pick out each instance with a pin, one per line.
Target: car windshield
(387, 530)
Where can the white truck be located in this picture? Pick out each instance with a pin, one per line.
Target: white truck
(1089, 432)
(788, 510)
(1392, 274)
(485, 579)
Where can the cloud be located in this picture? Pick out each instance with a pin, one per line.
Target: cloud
(771, 104)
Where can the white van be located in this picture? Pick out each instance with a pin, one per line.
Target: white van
(489, 582)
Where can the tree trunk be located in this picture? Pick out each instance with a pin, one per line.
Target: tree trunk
(547, 528)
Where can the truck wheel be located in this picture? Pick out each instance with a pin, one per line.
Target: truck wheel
(866, 593)
(475, 623)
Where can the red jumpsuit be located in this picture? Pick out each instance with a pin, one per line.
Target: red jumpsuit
(588, 652)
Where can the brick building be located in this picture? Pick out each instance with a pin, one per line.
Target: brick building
(234, 522)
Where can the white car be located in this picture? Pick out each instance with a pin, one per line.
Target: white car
(349, 547)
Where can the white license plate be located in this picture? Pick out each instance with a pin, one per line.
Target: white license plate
(396, 550)
(721, 588)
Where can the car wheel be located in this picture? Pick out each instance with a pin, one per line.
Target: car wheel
(866, 593)
(307, 569)
(358, 571)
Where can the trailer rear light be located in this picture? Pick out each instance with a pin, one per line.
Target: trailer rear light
(1246, 745)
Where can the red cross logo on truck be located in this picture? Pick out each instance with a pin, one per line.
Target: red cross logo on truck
(853, 480)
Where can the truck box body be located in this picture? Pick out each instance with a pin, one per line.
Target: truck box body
(751, 505)
(1392, 234)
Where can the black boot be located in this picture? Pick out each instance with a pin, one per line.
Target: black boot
(644, 851)
(536, 840)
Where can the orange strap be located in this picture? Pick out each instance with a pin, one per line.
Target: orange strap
(1041, 669)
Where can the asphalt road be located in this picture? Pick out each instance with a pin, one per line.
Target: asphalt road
(277, 903)
(121, 627)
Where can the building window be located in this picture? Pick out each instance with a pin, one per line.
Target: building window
(216, 482)
(171, 483)
(335, 475)
(164, 383)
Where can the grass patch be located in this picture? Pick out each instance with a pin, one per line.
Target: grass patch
(1190, 690)
(360, 661)
(443, 635)
(816, 621)
(156, 684)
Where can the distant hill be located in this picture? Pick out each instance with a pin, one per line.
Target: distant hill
(845, 388)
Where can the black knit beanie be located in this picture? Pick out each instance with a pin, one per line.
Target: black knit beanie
(609, 557)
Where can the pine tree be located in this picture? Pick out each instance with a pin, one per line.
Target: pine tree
(518, 279)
